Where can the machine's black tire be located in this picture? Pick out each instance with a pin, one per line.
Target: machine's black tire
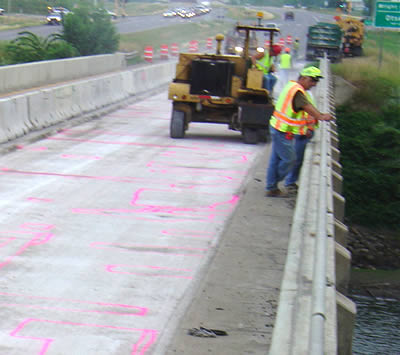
(177, 125)
(263, 135)
(357, 52)
(250, 135)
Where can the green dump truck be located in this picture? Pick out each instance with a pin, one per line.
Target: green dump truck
(324, 38)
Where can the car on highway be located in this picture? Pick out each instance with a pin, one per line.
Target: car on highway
(271, 25)
(169, 13)
(289, 15)
(54, 18)
(2, 11)
(58, 9)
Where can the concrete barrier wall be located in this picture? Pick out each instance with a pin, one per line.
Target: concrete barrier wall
(37, 109)
(26, 76)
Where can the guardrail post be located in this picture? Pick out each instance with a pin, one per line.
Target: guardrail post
(346, 315)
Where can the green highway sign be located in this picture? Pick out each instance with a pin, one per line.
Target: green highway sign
(387, 14)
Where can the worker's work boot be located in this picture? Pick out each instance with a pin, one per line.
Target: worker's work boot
(275, 193)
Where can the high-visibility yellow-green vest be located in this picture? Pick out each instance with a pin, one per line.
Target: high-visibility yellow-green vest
(285, 61)
(264, 64)
(284, 118)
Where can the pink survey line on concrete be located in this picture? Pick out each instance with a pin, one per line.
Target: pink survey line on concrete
(146, 339)
(155, 271)
(158, 249)
(172, 209)
(122, 143)
(40, 237)
(170, 169)
(7, 240)
(126, 310)
(124, 179)
(76, 156)
(61, 309)
(31, 148)
(205, 214)
(37, 199)
(68, 132)
(196, 148)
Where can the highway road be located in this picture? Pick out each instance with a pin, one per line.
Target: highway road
(107, 226)
(297, 28)
(128, 24)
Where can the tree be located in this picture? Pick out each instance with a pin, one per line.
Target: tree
(29, 47)
(90, 31)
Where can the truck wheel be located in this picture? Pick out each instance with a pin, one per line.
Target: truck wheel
(263, 135)
(250, 135)
(177, 126)
(357, 51)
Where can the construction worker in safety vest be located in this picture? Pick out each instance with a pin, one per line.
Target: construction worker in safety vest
(292, 115)
(300, 142)
(296, 47)
(263, 61)
(285, 66)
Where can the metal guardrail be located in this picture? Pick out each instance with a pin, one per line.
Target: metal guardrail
(131, 55)
(318, 315)
(308, 319)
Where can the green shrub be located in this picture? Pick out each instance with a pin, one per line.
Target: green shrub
(90, 31)
(370, 156)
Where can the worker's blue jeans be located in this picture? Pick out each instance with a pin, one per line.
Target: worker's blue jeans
(269, 81)
(300, 143)
(281, 159)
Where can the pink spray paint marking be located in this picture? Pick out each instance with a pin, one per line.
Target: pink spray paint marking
(83, 157)
(71, 132)
(40, 236)
(7, 240)
(206, 213)
(122, 143)
(37, 149)
(37, 199)
(173, 169)
(157, 249)
(144, 337)
(150, 270)
(125, 179)
(213, 208)
(85, 306)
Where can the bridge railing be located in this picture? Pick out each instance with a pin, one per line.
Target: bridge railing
(314, 317)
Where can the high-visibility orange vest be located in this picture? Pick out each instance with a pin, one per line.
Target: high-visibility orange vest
(312, 122)
(284, 118)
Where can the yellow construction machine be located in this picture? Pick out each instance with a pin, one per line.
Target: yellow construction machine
(222, 88)
(353, 35)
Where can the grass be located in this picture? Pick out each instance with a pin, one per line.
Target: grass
(10, 22)
(181, 34)
(372, 66)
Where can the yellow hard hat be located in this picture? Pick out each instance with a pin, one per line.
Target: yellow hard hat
(312, 72)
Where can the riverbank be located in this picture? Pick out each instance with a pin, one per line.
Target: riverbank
(375, 263)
